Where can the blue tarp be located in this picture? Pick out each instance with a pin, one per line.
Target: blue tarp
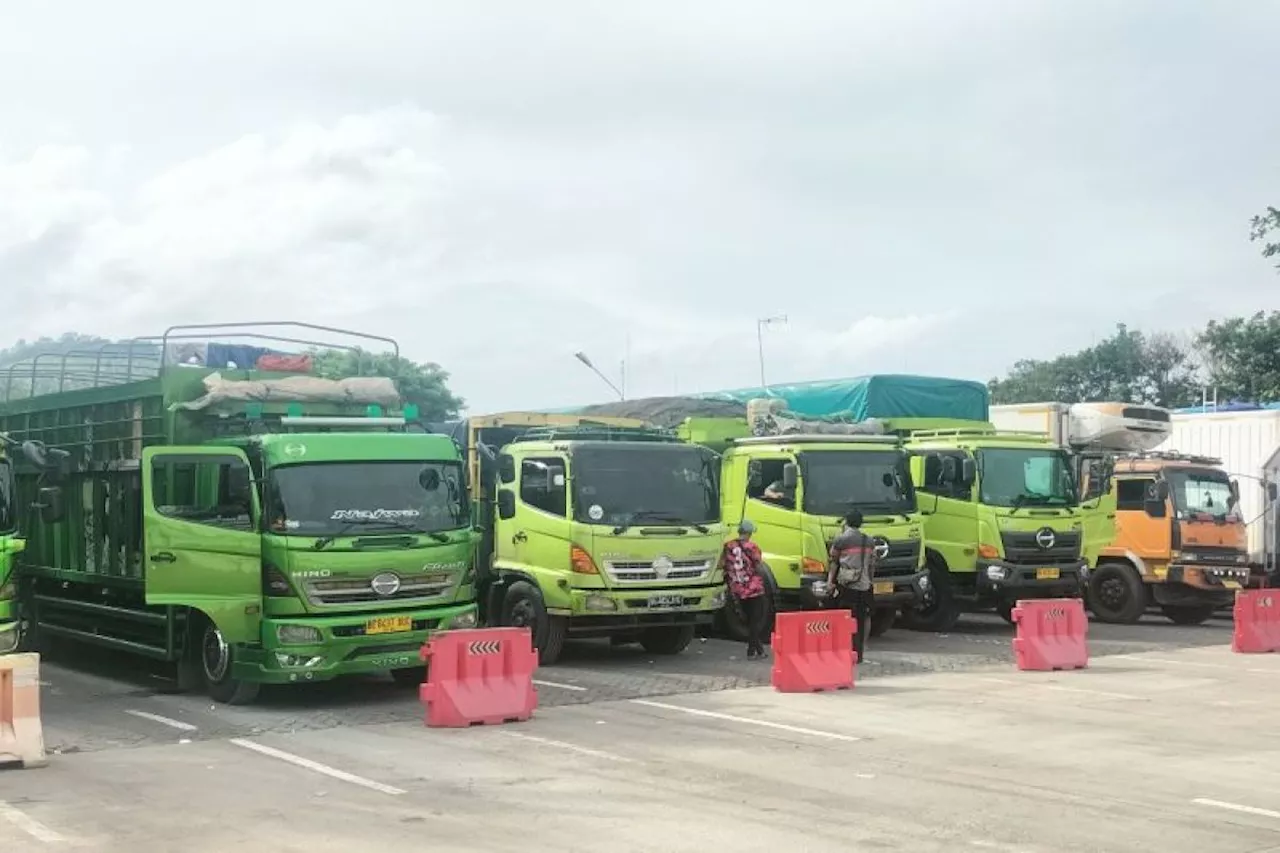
(879, 396)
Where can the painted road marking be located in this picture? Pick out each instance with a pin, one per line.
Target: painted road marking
(332, 772)
(715, 715)
(1103, 693)
(1202, 665)
(30, 825)
(164, 721)
(1236, 807)
(572, 747)
(559, 686)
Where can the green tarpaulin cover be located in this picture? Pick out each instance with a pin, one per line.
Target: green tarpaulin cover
(880, 396)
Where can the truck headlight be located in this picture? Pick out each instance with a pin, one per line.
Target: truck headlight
(717, 600)
(8, 590)
(997, 573)
(464, 620)
(8, 639)
(600, 602)
(298, 635)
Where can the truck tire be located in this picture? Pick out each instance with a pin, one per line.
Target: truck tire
(217, 659)
(941, 611)
(1117, 594)
(1004, 607)
(523, 607)
(1188, 614)
(882, 619)
(671, 640)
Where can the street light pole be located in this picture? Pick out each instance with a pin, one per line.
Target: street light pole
(760, 324)
(582, 357)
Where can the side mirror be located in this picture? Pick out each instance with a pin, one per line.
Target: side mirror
(429, 479)
(506, 468)
(1272, 491)
(947, 475)
(754, 477)
(1162, 490)
(1235, 494)
(790, 475)
(239, 486)
(50, 504)
(888, 480)
(506, 504)
(968, 471)
(1154, 502)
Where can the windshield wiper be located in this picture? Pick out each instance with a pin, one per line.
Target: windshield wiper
(326, 541)
(657, 515)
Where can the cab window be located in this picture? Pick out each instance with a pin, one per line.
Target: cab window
(543, 487)
(1132, 494)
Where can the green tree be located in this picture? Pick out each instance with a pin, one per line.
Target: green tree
(421, 383)
(1127, 367)
(1242, 356)
(1261, 227)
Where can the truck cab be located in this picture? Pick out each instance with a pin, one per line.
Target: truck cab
(823, 477)
(11, 544)
(1181, 541)
(1004, 520)
(596, 530)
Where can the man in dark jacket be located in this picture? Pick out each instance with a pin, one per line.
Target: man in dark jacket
(851, 573)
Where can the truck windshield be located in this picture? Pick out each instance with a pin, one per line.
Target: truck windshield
(328, 498)
(1199, 491)
(7, 516)
(624, 485)
(836, 481)
(1018, 477)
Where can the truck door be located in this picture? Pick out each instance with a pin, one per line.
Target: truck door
(201, 546)
(537, 536)
(1098, 525)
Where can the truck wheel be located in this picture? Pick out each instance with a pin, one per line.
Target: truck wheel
(1116, 594)
(217, 659)
(939, 612)
(523, 607)
(882, 619)
(667, 641)
(1004, 607)
(1193, 614)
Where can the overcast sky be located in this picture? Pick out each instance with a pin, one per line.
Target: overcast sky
(919, 186)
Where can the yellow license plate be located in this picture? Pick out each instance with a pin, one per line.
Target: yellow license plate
(1231, 584)
(883, 588)
(1048, 574)
(388, 625)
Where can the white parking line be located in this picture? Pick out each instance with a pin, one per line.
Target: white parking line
(1104, 693)
(332, 772)
(1200, 664)
(1236, 807)
(30, 825)
(572, 747)
(164, 721)
(559, 686)
(698, 712)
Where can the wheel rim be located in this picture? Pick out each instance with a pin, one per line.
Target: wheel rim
(1112, 594)
(215, 654)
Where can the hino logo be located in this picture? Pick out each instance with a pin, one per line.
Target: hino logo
(662, 566)
(387, 583)
(1045, 538)
(882, 547)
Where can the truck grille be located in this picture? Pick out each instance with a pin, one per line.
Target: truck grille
(648, 571)
(361, 590)
(1025, 547)
(1215, 555)
(901, 561)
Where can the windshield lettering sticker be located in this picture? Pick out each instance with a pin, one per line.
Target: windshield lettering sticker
(595, 512)
(373, 514)
(290, 524)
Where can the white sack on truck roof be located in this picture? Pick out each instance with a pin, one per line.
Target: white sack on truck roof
(359, 390)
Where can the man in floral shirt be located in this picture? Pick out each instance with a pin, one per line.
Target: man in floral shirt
(741, 560)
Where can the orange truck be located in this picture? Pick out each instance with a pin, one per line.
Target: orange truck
(1180, 540)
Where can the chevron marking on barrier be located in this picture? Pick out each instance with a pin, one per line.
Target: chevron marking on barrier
(823, 627)
(484, 647)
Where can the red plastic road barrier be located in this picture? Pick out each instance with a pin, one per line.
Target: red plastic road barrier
(480, 676)
(813, 650)
(1257, 616)
(1051, 634)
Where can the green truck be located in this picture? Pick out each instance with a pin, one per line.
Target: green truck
(11, 545)
(593, 527)
(245, 526)
(824, 476)
(1004, 520)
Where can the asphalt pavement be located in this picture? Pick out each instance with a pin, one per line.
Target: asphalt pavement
(942, 746)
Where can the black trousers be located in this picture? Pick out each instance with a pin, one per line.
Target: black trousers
(860, 602)
(753, 611)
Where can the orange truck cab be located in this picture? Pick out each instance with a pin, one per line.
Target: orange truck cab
(1181, 543)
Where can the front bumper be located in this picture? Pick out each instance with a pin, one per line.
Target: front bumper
(999, 580)
(601, 612)
(896, 591)
(1201, 584)
(8, 625)
(345, 648)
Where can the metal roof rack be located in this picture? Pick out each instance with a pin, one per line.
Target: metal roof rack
(1171, 456)
(816, 438)
(597, 433)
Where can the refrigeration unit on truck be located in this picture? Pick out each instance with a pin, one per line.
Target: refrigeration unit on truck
(249, 526)
(1179, 541)
(593, 527)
